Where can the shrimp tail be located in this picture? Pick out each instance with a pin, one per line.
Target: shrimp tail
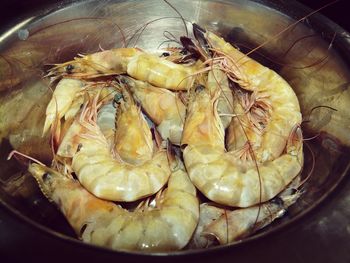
(201, 49)
(190, 47)
(294, 142)
(171, 154)
(199, 34)
(157, 138)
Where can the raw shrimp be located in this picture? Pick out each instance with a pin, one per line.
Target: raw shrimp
(104, 63)
(221, 176)
(268, 107)
(133, 138)
(67, 100)
(104, 176)
(106, 122)
(217, 80)
(164, 108)
(137, 64)
(224, 225)
(168, 226)
(62, 100)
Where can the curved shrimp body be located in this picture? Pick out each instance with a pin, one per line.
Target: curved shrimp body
(133, 138)
(271, 106)
(227, 225)
(104, 176)
(164, 108)
(169, 226)
(62, 100)
(73, 105)
(218, 174)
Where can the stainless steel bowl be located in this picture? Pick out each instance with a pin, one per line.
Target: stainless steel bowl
(312, 55)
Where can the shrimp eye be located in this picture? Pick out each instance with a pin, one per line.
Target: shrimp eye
(199, 88)
(118, 97)
(293, 191)
(183, 51)
(165, 54)
(46, 176)
(278, 201)
(69, 68)
(79, 147)
(124, 80)
(82, 229)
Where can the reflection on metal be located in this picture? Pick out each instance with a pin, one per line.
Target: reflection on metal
(15, 29)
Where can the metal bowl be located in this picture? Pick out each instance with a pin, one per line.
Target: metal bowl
(311, 54)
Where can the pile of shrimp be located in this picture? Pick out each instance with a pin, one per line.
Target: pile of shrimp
(204, 141)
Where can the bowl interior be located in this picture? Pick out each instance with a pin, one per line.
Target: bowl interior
(308, 54)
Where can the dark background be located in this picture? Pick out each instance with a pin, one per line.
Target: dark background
(13, 10)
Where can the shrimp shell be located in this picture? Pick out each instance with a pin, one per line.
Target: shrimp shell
(103, 175)
(106, 122)
(167, 227)
(218, 174)
(133, 138)
(62, 99)
(161, 72)
(276, 105)
(137, 64)
(217, 80)
(164, 107)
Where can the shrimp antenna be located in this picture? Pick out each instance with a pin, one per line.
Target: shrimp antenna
(312, 167)
(290, 26)
(315, 108)
(12, 153)
(183, 20)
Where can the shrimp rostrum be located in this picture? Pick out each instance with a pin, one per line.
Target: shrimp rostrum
(168, 226)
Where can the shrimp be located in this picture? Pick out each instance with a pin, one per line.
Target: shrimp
(62, 100)
(168, 226)
(267, 107)
(140, 65)
(106, 121)
(104, 63)
(67, 100)
(133, 138)
(103, 175)
(165, 108)
(220, 175)
(225, 225)
(217, 79)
